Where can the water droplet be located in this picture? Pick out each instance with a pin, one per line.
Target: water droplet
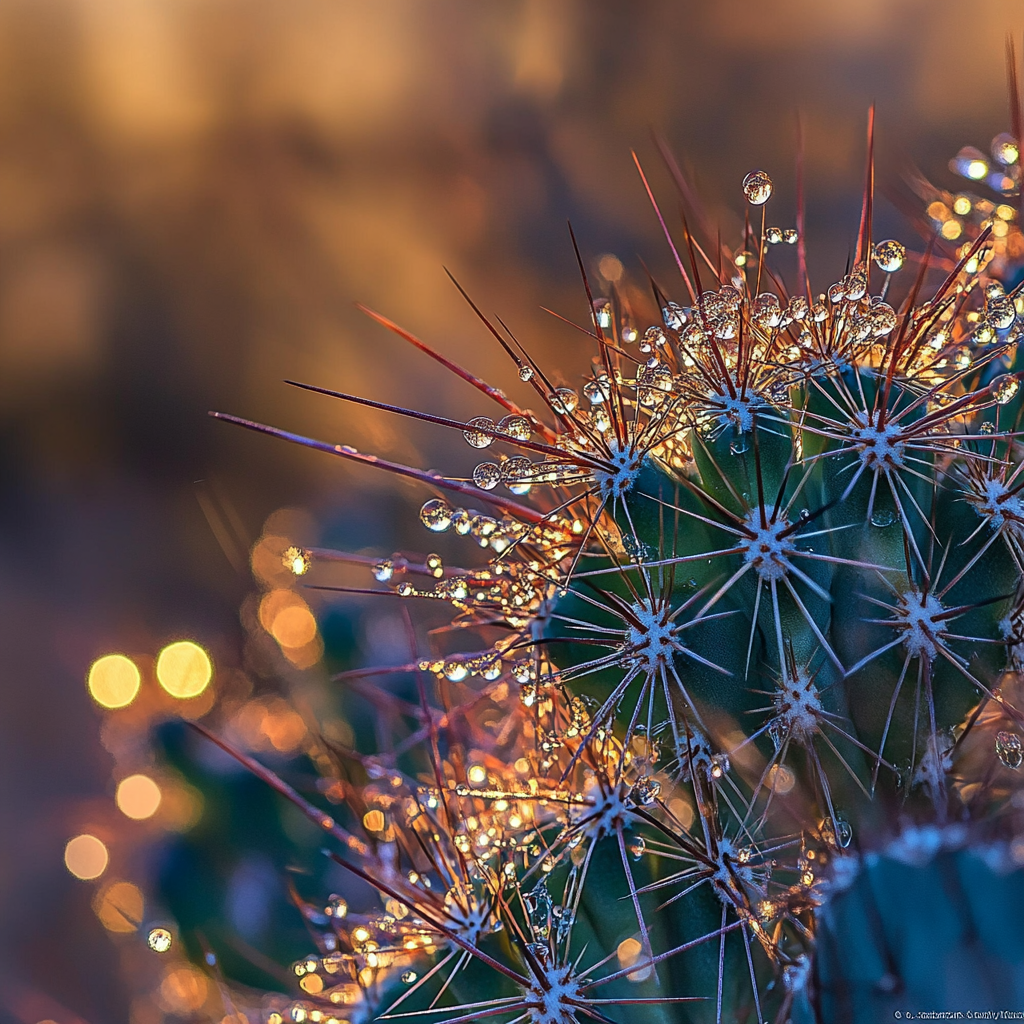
(757, 187)
(836, 292)
(1000, 313)
(1004, 387)
(487, 476)
(477, 438)
(654, 337)
(296, 560)
(645, 791)
(522, 671)
(538, 905)
(540, 952)
(837, 831)
(436, 515)
(159, 940)
(1005, 149)
(739, 443)
(564, 400)
(636, 549)
(970, 163)
(337, 907)
(602, 313)
(766, 310)
(856, 283)
(773, 236)
(565, 923)
(455, 671)
(883, 517)
(516, 426)
(384, 570)
(673, 315)
(1009, 749)
(637, 846)
(798, 308)
(889, 255)
(791, 236)
(882, 319)
(409, 977)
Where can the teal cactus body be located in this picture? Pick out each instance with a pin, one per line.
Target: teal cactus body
(746, 631)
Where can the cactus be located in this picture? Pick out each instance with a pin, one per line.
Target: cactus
(732, 696)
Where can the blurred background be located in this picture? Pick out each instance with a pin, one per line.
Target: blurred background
(194, 193)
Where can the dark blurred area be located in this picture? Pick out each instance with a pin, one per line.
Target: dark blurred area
(194, 194)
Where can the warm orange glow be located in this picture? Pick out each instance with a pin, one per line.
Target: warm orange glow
(682, 811)
(287, 618)
(184, 669)
(294, 627)
(258, 722)
(628, 952)
(183, 990)
(86, 857)
(138, 797)
(312, 983)
(373, 821)
(114, 681)
(181, 806)
(120, 906)
(610, 267)
(781, 778)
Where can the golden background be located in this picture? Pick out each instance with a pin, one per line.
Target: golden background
(193, 193)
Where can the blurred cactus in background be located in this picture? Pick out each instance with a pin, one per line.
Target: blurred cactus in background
(724, 724)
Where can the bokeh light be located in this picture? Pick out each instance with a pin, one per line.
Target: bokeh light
(183, 991)
(138, 797)
(287, 618)
(114, 681)
(120, 906)
(86, 857)
(181, 806)
(184, 669)
(294, 626)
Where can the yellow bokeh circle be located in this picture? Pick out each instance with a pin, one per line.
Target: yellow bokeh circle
(138, 797)
(86, 857)
(114, 681)
(120, 906)
(184, 669)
